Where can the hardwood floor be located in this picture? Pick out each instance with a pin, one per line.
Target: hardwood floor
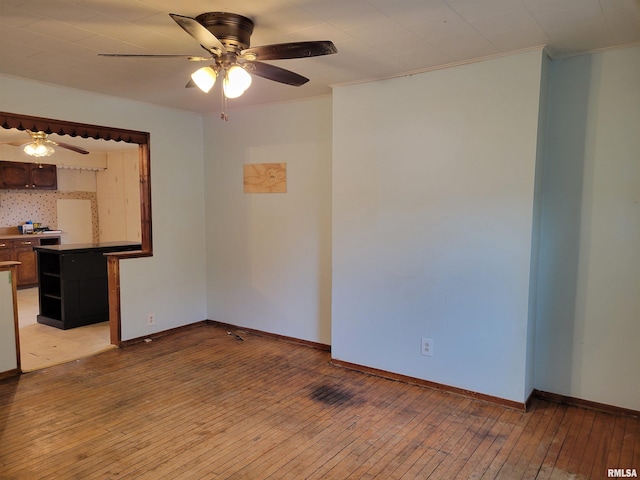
(200, 404)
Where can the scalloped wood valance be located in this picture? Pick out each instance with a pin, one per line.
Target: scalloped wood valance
(61, 127)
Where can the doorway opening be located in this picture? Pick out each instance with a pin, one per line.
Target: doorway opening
(106, 335)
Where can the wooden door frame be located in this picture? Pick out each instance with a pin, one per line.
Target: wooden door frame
(63, 127)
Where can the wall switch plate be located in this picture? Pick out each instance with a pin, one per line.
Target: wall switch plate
(426, 347)
(151, 319)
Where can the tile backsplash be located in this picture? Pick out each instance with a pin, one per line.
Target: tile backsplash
(17, 207)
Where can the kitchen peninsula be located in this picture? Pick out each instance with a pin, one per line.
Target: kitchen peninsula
(73, 282)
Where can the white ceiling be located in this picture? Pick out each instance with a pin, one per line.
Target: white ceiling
(57, 41)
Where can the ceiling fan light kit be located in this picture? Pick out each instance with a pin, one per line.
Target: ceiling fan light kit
(236, 81)
(226, 38)
(38, 149)
(204, 78)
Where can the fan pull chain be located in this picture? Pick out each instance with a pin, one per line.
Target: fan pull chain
(225, 104)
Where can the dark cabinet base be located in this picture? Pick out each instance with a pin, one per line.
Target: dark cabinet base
(52, 322)
(73, 284)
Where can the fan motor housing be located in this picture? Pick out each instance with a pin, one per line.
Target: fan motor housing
(233, 30)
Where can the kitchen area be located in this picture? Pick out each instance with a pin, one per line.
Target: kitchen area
(58, 215)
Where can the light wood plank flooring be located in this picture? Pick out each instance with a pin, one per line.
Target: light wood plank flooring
(200, 404)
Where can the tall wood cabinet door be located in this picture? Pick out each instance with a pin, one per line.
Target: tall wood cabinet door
(14, 175)
(44, 176)
(110, 190)
(131, 169)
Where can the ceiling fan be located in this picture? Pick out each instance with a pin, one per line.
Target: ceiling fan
(41, 146)
(226, 39)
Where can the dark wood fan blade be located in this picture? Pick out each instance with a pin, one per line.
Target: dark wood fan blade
(191, 58)
(73, 148)
(277, 74)
(190, 84)
(282, 51)
(205, 38)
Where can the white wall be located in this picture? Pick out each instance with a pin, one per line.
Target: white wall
(170, 284)
(536, 224)
(73, 180)
(269, 255)
(8, 358)
(589, 291)
(433, 190)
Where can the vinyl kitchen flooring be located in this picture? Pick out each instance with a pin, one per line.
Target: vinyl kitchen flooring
(42, 346)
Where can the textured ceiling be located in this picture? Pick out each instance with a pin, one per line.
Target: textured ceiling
(57, 41)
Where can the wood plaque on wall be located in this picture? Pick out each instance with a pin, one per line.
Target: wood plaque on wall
(265, 178)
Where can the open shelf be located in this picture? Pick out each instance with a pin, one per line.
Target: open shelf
(73, 283)
(50, 289)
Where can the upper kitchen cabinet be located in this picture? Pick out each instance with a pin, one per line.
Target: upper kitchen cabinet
(19, 175)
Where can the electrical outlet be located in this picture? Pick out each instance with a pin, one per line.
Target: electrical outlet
(426, 347)
(151, 319)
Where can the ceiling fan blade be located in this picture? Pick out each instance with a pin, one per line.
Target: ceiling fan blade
(277, 74)
(205, 38)
(191, 58)
(190, 84)
(282, 51)
(73, 148)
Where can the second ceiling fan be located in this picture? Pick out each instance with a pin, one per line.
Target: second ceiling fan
(226, 39)
(41, 145)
